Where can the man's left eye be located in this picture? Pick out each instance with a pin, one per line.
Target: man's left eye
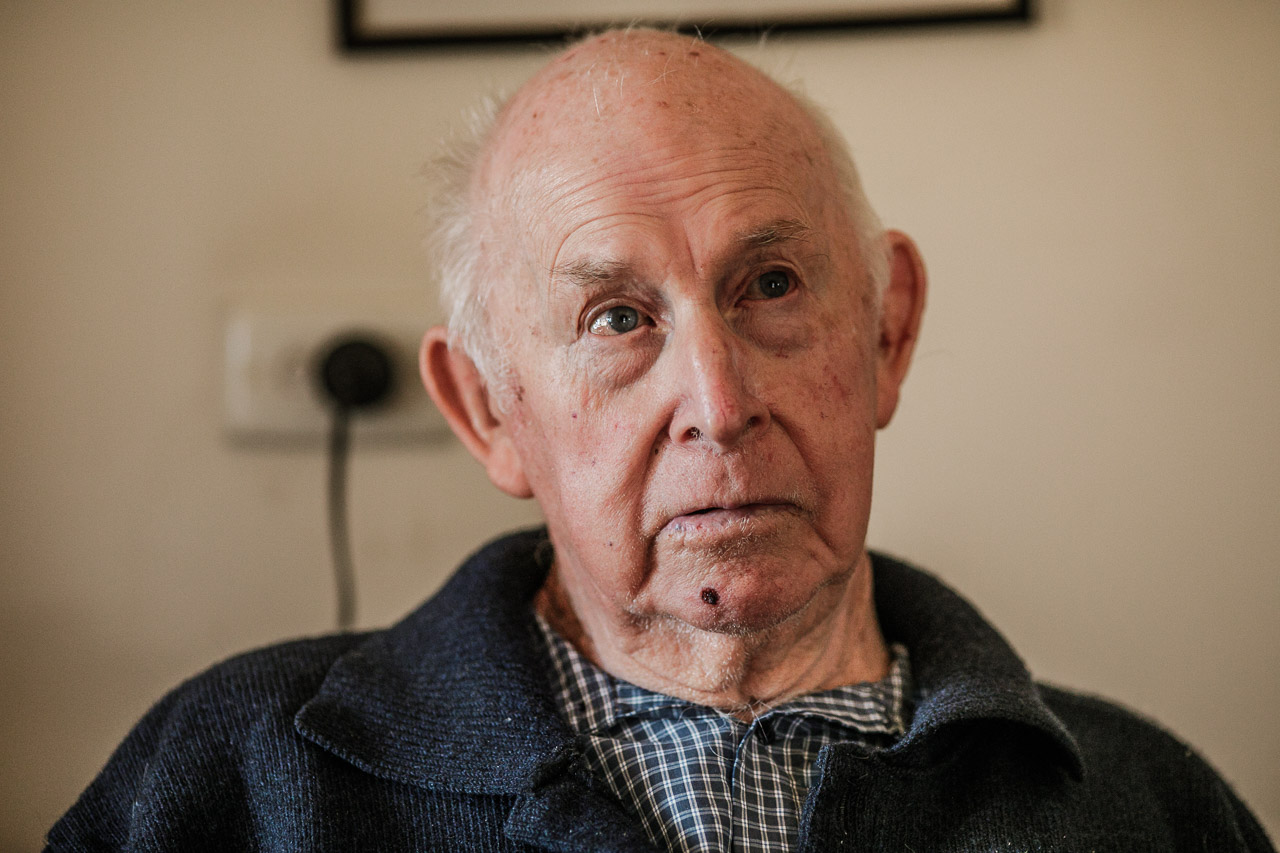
(771, 285)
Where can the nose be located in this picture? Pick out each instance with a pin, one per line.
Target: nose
(713, 372)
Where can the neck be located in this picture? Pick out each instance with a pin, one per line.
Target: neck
(833, 641)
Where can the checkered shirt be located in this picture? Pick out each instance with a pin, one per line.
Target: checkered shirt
(702, 780)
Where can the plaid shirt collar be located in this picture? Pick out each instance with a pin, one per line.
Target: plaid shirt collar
(594, 701)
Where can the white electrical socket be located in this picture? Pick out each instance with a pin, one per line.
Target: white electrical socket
(272, 393)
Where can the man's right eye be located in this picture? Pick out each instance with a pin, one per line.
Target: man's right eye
(617, 320)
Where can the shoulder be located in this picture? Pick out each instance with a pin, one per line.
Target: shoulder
(254, 686)
(1130, 759)
(270, 739)
(1103, 723)
(191, 754)
(1110, 734)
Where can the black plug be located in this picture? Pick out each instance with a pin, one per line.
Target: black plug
(355, 372)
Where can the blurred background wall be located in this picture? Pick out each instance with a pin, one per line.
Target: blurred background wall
(1087, 447)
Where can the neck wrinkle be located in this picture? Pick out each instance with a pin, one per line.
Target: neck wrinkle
(725, 671)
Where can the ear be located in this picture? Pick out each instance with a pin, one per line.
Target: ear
(902, 307)
(460, 394)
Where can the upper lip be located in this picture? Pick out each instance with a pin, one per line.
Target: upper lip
(726, 506)
(694, 509)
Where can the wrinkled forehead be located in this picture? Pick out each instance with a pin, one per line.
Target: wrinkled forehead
(630, 102)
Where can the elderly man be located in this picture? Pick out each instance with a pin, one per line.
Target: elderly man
(676, 324)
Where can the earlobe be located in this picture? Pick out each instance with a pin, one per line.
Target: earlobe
(460, 394)
(902, 307)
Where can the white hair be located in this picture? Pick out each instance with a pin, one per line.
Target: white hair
(453, 239)
(464, 265)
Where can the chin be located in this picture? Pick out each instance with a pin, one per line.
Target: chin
(746, 584)
(741, 603)
(738, 622)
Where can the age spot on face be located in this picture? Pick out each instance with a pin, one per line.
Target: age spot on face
(710, 596)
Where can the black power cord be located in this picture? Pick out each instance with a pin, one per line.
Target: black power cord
(355, 372)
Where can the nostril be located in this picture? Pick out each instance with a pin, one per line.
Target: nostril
(694, 433)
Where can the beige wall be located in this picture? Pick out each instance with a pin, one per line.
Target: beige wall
(1087, 447)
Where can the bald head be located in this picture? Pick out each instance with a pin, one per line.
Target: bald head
(623, 101)
(625, 89)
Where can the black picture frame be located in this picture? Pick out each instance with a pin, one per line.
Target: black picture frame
(358, 33)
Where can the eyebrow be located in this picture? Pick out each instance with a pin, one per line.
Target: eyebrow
(586, 272)
(591, 272)
(779, 231)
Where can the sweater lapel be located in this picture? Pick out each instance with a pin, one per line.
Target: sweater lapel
(567, 810)
(455, 697)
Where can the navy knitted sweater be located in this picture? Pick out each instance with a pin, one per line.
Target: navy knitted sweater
(441, 733)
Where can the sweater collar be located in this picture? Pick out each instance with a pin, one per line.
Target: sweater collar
(965, 672)
(457, 695)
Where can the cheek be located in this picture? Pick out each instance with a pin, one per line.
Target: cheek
(835, 391)
(833, 425)
(834, 372)
(586, 455)
(594, 492)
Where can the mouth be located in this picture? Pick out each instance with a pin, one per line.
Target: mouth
(747, 507)
(715, 520)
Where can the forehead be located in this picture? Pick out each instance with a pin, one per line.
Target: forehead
(695, 202)
(616, 136)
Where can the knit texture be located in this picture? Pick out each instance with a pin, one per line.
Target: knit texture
(441, 734)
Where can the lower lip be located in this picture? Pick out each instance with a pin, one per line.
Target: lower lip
(718, 522)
